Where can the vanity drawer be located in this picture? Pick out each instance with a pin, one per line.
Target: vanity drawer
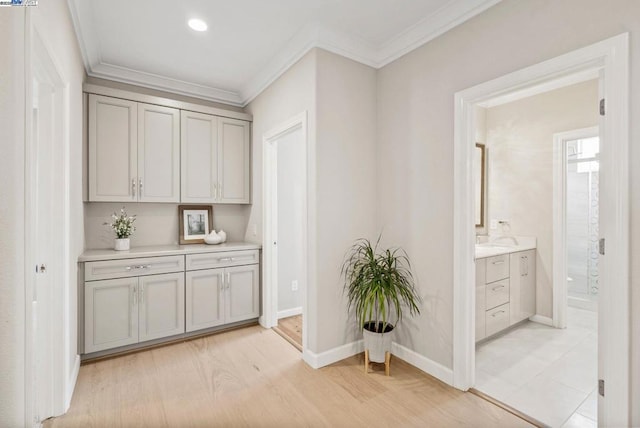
(497, 293)
(221, 259)
(497, 268)
(124, 268)
(497, 319)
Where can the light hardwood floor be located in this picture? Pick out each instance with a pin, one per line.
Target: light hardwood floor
(253, 377)
(291, 329)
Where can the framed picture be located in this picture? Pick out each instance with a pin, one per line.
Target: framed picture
(196, 221)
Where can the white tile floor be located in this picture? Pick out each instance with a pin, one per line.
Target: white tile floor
(549, 374)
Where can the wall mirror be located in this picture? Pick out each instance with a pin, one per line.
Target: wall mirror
(480, 173)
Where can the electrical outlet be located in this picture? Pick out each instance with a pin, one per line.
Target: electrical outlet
(294, 285)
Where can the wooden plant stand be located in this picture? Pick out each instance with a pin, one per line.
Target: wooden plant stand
(387, 362)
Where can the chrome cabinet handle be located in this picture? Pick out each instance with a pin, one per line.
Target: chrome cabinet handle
(220, 191)
(141, 267)
(133, 188)
(140, 184)
(215, 191)
(497, 287)
(221, 286)
(142, 294)
(135, 295)
(497, 313)
(226, 259)
(127, 268)
(498, 262)
(228, 280)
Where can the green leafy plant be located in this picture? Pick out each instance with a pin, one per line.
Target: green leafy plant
(379, 285)
(122, 224)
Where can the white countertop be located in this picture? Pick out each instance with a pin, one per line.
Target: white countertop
(164, 250)
(498, 246)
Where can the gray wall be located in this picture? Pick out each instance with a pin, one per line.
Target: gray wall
(415, 163)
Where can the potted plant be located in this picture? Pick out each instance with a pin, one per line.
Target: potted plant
(380, 287)
(122, 224)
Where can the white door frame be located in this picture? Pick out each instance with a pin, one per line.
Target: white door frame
(610, 56)
(560, 270)
(42, 67)
(269, 317)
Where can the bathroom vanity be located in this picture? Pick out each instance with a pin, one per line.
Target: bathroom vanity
(505, 286)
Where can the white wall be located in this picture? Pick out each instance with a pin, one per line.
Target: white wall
(157, 224)
(347, 186)
(52, 21)
(12, 269)
(415, 161)
(520, 142)
(339, 96)
(291, 181)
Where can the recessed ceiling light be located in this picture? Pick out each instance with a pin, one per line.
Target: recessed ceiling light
(197, 24)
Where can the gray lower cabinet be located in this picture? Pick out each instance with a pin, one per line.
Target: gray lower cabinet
(126, 311)
(221, 296)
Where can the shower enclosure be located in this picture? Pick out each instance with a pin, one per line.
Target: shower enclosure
(582, 222)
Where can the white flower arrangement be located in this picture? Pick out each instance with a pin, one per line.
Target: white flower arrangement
(122, 224)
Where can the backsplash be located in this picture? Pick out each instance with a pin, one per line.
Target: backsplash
(156, 224)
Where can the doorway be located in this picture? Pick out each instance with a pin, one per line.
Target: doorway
(610, 58)
(46, 240)
(285, 201)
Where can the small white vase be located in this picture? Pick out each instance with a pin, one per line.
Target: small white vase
(223, 235)
(122, 244)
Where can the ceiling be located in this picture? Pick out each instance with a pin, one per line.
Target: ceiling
(249, 43)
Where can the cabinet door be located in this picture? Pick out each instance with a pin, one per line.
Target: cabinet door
(199, 157)
(112, 149)
(528, 285)
(111, 314)
(242, 298)
(158, 154)
(234, 161)
(161, 306)
(205, 302)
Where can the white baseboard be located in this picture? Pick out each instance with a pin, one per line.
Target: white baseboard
(423, 363)
(542, 320)
(332, 355)
(290, 312)
(71, 386)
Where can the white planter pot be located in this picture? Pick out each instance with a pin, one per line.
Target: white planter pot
(378, 345)
(122, 244)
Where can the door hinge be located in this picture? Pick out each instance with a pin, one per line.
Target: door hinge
(602, 109)
(601, 246)
(601, 387)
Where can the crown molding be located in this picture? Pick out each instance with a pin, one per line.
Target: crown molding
(444, 19)
(311, 36)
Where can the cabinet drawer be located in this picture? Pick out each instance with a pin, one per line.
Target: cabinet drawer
(497, 293)
(497, 268)
(497, 319)
(132, 267)
(222, 259)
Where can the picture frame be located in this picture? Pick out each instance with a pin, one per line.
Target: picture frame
(195, 222)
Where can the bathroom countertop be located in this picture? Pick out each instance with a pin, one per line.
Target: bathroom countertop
(164, 250)
(498, 246)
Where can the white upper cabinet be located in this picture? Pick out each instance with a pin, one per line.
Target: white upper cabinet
(134, 151)
(113, 149)
(199, 153)
(215, 159)
(234, 161)
(158, 154)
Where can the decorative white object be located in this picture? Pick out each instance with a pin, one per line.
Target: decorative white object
(213, 238)
(122, 244)
(222, 234)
